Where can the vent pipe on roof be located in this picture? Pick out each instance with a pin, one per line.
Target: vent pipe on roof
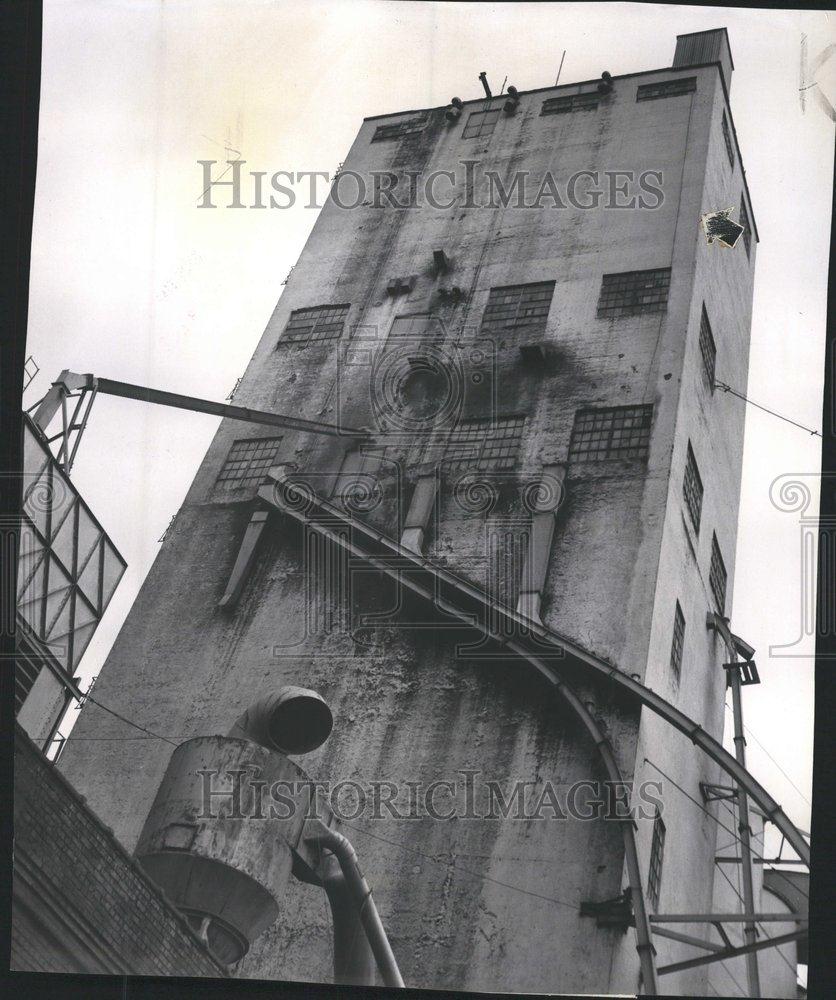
(483, 76)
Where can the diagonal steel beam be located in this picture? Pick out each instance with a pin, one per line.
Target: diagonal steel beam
(722, 956)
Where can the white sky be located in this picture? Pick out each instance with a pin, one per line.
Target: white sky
(131, 281)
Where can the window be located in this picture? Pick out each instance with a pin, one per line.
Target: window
(678, 641)
(315, 324)
(728, 139)
(634, 292)
(668, 88)
(657, 850)
(479, 445)
(717, 576)
(708, 348)
(248, 462)
(692, 489)
(743, 215)
(518, 307)
(396, 130)
(481, 123)
(572, 102)
(611, 432)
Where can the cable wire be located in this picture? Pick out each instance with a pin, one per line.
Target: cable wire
(727, 388)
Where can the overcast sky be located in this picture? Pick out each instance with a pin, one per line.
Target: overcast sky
(131, 281)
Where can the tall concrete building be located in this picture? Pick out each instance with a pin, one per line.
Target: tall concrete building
(515, 297)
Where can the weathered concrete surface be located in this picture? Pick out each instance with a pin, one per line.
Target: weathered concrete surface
(407, 706)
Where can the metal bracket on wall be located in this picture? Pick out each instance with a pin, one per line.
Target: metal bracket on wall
(616, 912)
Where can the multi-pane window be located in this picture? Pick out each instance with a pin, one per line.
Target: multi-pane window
(668, 88)
(657, 851)
(717, 576)
(572, 102)
(396, 130)
(315, 324)
(743, 215)
(708, 349)
(518, 307)
(633, 292)
(678, 640)
(479, 445)
(481, 123)
(248, 462)
(692, 489)
(611, 432)
(728, 139)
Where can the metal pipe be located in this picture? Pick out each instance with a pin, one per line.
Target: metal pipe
(644, 943)
(395, 558)
(361, 896)
(354, 961)
(750, 933)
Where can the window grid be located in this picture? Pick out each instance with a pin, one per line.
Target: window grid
(717, 576)
(692, 489)
(315, 324)
(396, 130)
(678, 640)
(611, 432)
(633, 292)
(481, 123)
(708, 349)
(248, 462)
(728, 139)
(480, 445)
(572, 102)
(668, 88)
(657, 849)
(520, 307)
(743, 215)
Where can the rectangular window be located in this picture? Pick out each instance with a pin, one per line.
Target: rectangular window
(708, 349)
(728, 139)
(668, 88)
(692, 489)
(717, 576)
(396, 130)
(315, 324)
(479, 445)
(657, 851)
(743, 215)
(634, 292)
(248, 462)
(481, 123)
(518, 307)
(611, 432)
(678, 641)
(572, 102)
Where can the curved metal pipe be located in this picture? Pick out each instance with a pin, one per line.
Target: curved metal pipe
(393, 560)
(644, 942)
(361, 896)
(354, 961)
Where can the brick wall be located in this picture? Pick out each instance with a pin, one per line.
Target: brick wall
(80, 902)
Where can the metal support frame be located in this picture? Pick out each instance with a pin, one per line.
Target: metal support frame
(726, 953)
(750, 932)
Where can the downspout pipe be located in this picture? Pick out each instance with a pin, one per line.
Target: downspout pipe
(354, 961)
(361, 897)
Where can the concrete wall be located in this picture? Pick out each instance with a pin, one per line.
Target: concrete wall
(79, 902)
(407, 706)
